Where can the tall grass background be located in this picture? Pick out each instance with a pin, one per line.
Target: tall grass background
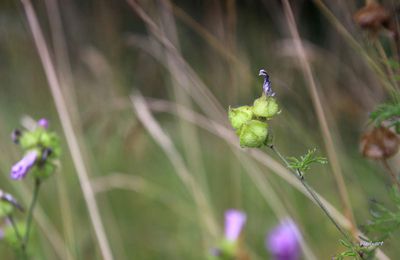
(147, 85)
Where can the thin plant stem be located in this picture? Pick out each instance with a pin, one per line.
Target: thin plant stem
(24, 255)
(300, 177)
(385, 59)
(30, 214)
(10, 218)
(392, 174)
(321, 116)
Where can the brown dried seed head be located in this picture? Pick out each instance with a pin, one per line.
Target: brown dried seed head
(372, 17)
(380, 143)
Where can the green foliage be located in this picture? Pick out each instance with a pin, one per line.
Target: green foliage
(226, 251)
(355, 251)
(5, 209)
(11, 237)
(304, 163)
(387, 111)
(385, 221)
(394, 64)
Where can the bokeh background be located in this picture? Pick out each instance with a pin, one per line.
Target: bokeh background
(190, 60)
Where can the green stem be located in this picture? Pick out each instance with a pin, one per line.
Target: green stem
(18, 235)
(300, 177)
(14, 226)
(30, 214)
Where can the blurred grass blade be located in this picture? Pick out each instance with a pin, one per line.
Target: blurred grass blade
(68, 129)
(328, 140)
(162, 139)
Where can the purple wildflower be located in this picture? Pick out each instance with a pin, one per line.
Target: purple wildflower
(267, 88)
(1, 234)
(43, 122)
(234, 222)
(284, 241)
(21, 168)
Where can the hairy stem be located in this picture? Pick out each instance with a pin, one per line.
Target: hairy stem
(10, 218)
(30, 214)
(24, 255)
(300, 177)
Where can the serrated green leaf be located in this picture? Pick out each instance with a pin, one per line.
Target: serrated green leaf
(304, 163)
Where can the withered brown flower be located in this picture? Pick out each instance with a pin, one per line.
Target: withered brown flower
(379, 144)
(373, 17)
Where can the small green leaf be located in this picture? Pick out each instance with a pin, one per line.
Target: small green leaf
(304, 163)
(385, 111)
(344, 243)
(394, 64)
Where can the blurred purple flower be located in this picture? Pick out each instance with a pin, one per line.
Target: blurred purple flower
(21, 168)
(284, 241)
(43, 122)
(267, 88)
(1, 234)
(234, 222)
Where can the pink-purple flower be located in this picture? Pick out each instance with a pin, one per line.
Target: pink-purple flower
(43, 122)
(21, 168)
(234, 222)
(283, 242)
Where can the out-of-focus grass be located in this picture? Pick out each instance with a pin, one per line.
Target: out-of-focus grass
(159, 220)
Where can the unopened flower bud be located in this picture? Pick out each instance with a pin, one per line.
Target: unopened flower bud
(265, 107)
(253, 134)
(239, 116)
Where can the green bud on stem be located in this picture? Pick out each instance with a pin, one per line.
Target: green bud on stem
(265, 107)
(253, 134)
(239, 116)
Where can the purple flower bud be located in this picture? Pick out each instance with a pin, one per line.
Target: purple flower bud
(267, 88)
(10, 199)
(234, 222)
(21, 168)
(43, 122)
(284, 241)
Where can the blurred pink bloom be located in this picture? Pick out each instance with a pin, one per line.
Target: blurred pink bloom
(234, 222)
(43, 122)
(284, 241)
(21, 168)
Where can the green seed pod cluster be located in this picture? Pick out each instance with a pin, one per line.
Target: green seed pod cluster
(250, 122)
